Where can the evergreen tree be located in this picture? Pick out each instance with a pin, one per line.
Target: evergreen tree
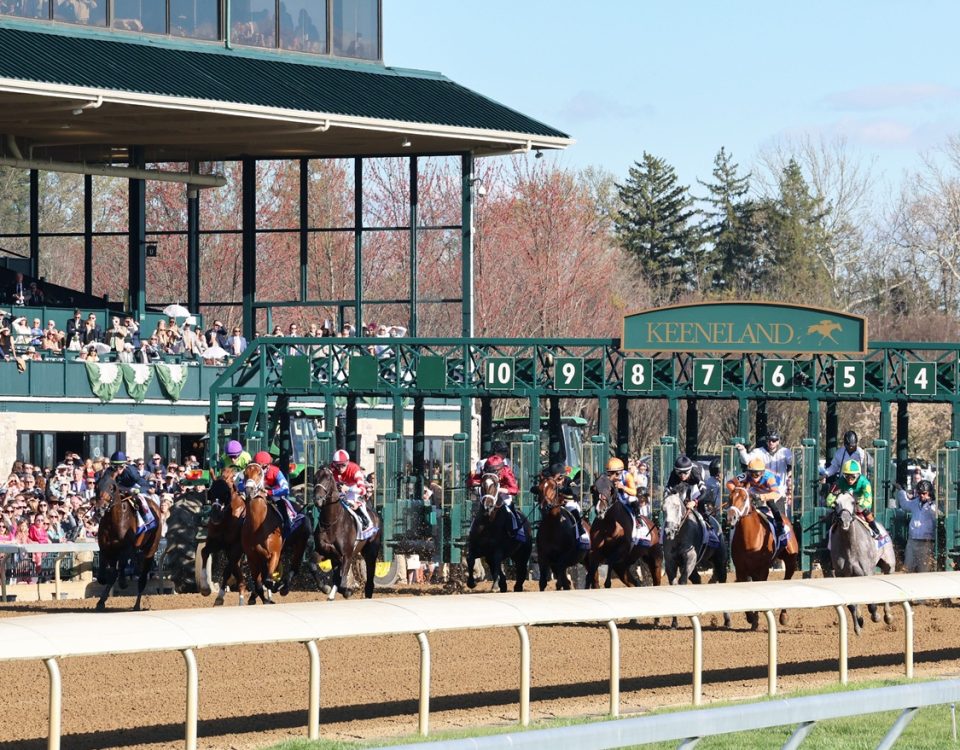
(654, 225)
(729, 228)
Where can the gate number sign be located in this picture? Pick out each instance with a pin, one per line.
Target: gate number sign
(498, 373)
(778, 375)
(848, 376)
(568, 373)
(708, 375)
(921, 379)
(637, 374)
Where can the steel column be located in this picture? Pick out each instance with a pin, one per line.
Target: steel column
(555, 439)
(486, 426)
(358, 244)
(193, 250)
(692, 441)
(813, 419)
(466, 246)
(886, 432)
(623, 428)
(248, 222)
(534, 421)
(760, 420)
(603, 416)
(673, 417)
(304, 224)
(414, 260)
(34, 223)
(396, 412)
(137, 239)
(88, 234)
(832, 430)
(743, 418)
(903, 442)
(419, 444)
(353, 439)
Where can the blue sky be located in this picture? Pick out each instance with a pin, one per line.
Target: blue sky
(682, 79)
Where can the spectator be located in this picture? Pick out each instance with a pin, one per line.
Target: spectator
(8, 349)
(36, 295)
(36, 333)
(90, 355)
(52, 338)
(919, 555)
(74, 337)
(54, 530)
(216, 335)
(192, 341)
(133, 332)
(92, 333)
(126, 356)
(32, 355)
(236, 343)
(117, 335)
(150, 351)
(18, 292)
(277, 331)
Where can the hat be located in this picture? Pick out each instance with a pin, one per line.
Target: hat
(190, 321)
(118, 458)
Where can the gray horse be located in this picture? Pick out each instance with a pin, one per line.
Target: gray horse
(854, 552)
(684, 547)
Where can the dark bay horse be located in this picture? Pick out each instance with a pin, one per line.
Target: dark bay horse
(336, 540)
(492, 540)
(223, 535)
(262, 540)
(753, 547)
(611, 540)
(119, 541)
(557, 537)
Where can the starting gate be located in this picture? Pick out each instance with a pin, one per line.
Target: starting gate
(388, 469)
(663, 458)
(808, 511)
(593, 463)
(948, 477)
(525, 460)
(457, 502)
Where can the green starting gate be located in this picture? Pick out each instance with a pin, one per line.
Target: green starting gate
(948, 479)
(457, 504)
(593, 463)
(388, 469)
(663, 458)
(808, 509)
(525, 460)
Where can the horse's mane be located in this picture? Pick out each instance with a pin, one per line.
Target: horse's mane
(602, 489)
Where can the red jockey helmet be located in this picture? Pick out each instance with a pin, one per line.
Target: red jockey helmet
(341, 457)
(494, 463)
(263, 458)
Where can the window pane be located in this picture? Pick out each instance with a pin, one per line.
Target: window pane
(197, 19)
(26, 8)
(86, 12)
(137, 15)
(356, 30)
(254, 22)
(303, 25)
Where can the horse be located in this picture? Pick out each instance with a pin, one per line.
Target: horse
(491, 538)
(611, 540)
(753, 545)
(262, 541)
(119, 541)
(854, 552)
(335, 537)
(223, 535)
(686, 544)
(557, 537)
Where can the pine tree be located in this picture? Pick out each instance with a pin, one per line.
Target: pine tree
(654, 225)
(729, 228)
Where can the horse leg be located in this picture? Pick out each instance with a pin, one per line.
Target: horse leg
(370, 554)
(107, 577)
(206, 572)
(857, 619)
(145, 566)
(521, 561)
(593, 564)
(471, 562)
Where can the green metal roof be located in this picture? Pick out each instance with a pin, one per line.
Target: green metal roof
(246, 77)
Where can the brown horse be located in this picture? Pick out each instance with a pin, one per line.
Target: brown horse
(491, 538)
(754, 548)
(119, 542)
(262, 540)
(611, 540)
(335, 537)
(557, 537)
(223, 535)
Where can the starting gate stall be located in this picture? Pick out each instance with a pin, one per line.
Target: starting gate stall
(663, 458)
(457, 504)
(525, 460)
(394, 513)
(808, 510)
(593, 464)
(948, 481)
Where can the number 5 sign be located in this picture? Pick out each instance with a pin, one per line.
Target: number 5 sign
(848, 376)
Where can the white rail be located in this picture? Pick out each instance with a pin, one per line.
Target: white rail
(59, 549)
(51, 637)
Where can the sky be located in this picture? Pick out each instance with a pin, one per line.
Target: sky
(681, 79)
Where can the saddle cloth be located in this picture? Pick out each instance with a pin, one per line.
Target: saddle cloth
(363, 534)
(296, 519)
(882, 541)
(641, 533)
(781, 541)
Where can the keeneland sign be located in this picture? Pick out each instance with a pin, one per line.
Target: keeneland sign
(745, 327)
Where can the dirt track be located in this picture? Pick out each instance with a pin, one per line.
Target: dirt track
(369, 687)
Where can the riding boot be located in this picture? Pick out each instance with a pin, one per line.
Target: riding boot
(284, 517)
(874, 529)
(777, 519)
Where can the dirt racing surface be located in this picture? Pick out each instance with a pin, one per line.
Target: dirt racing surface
(258, 695)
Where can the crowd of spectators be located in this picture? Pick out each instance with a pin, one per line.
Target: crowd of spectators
(50, 505)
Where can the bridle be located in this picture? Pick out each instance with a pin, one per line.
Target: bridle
(489, 492)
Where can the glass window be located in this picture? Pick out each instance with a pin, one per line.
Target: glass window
(25, 8)
(303, 25)
(197, 19)
(86, 12)
(137, 15)
(253, 22)
(356, 29)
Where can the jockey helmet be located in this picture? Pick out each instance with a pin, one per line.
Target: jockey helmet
(773, 436)
(557, 468)
(850, 468)
(614, 464)
(341, 457)
(850, 439)
(233, 448)
(715, 467)
(756, 465)
(118, 458)
(683, 463)
(925, 486)
(494, 463)
(500, 447)
(263, 458)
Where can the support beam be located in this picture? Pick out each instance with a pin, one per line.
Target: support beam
(885, 429)
(137, 240)
(673, 418)
(813, 419)
(692, 433)
(352, 438)
(486, 426)
(358, 244)
(34, 223)
(903, 442)
(466, 247)
(832, 430)
(603, 417)
(419, 444)
(88, 235)
(414, 259)
(193, 251)
(304, 225)
(249, 249)
(555, 439)
(760, 420)
(622, 448)
(743, 418)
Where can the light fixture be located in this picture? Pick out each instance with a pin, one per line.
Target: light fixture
(78, 111)
(406, 143)
(539, 154)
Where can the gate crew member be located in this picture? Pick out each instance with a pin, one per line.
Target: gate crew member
(776, 458)
(352, 485)
(569, 491)
(135, 484)
(276, 483)
(856, 484)
(849, 452)
(762, 483)
(508, 488)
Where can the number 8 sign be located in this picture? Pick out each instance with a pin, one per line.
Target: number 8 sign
(637, 374)
(568, 373)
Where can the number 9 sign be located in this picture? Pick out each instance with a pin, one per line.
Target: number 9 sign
(568, 373)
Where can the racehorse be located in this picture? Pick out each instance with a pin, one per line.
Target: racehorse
(611, 540)
(223, 535)
(492, 540)
(336, 540)
(557, 537)
(119, 541)
(262, 541)
(753, 545)
(686, 543)
(854, 552)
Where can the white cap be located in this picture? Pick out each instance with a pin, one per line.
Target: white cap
(190, 321)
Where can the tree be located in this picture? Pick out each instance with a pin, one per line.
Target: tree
(654, 226)
(729, 227)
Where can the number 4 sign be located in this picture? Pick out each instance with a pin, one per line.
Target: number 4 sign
(921, 379)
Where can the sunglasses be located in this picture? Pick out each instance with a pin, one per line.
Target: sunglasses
(755, 473)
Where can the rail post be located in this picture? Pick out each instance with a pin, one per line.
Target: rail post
(193, 689)
(842, 617)
(524, 675)
(423, 720)
(697, 661)
(614, 668)
(313, 710)
(908, 640)
(771, 652)
(55, 705)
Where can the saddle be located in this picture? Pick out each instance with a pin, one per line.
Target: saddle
(296, 518)
(709, 534)
(578, 529)
(144, 524)
(363, 534)
(780, 542)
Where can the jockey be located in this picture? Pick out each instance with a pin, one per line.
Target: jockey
(849, 452)
(276, 483)
(685, 473)
(856, 484)
(499, 449)
(134, 483)
(352, 485)
(567, 490)
(235, 456)
(760, 482)
(496, 464)
(624, 484)
(710, 500)
(776, 458)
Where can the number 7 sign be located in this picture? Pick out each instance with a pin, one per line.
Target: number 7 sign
(708, 375)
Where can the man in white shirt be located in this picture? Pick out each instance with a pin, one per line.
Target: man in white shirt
(849, 452)
(777, 459)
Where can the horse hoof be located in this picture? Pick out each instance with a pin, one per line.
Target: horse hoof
(325, 589)
(269, 601)
(726, 621)
(218, 602)
(332, 594)
(673, 624)
(875, 616)
(783, 618)
(888, 619)
(471, 584)
(347, 593)
(101, 606)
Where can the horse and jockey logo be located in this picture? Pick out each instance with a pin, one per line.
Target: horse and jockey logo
(826, 329)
